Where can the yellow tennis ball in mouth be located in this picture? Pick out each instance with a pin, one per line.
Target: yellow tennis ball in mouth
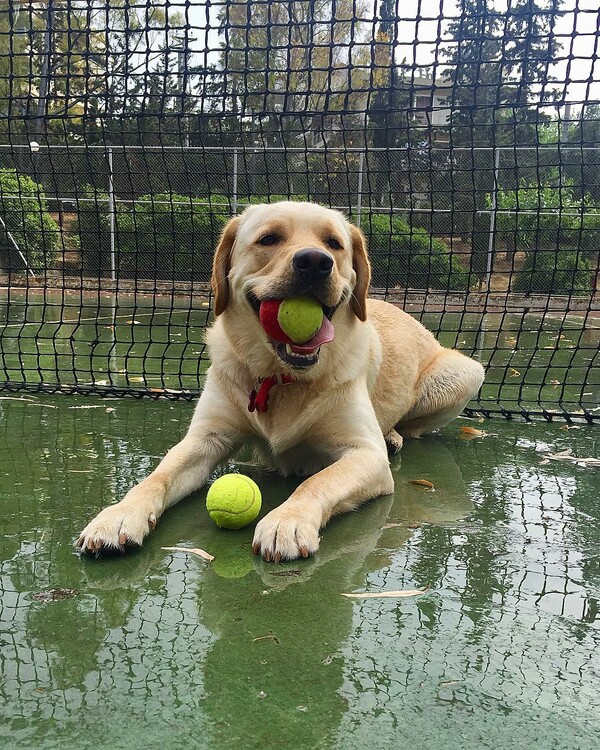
(300, 318)
(233, 501)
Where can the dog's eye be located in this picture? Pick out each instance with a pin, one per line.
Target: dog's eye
(268, 239)
(334, 244)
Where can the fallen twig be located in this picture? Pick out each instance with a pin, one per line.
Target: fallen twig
(191, 551)
(567, 455)
(387, 594)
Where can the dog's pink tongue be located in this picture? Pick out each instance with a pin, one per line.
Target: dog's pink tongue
(325, 334)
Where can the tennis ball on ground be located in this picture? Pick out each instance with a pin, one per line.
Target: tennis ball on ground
(233, 501)
(300, 318)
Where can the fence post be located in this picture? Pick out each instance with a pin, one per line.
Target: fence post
(111, 214)
(493, 209)
(361, 164)
(234, 201)
(16, 246)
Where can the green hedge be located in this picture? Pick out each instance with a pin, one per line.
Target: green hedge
(28, 220)
(91, 233)
(169, 236)
(173, 236)
(563, 271)
(157, 236)
(408, 257)
(545, 218)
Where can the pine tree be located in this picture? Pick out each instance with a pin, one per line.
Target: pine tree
(499, 63)
(475, 67)
(530, 49)
(285, 63)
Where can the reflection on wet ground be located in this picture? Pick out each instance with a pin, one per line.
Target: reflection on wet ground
(160, 648)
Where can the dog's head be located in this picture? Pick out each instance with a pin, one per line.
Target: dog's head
(285, 250)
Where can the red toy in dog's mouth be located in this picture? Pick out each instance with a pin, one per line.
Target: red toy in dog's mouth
(295, 355)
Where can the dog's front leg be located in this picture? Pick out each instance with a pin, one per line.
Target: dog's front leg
(290, 531)
(211, 437)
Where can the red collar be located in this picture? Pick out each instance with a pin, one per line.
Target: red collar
(259, 395)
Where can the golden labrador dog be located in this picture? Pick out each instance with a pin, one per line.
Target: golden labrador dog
(326, 409)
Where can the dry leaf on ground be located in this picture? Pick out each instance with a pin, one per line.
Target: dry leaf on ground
(423, 483)
(473, 431)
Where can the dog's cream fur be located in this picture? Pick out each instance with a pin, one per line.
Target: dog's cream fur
(383, 376)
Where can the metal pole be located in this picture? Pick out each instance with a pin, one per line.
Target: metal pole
(111, 214)
(16, 246)
(234, 201)
(45, 72)
(182, 76)
(361, 163)
(493, 209)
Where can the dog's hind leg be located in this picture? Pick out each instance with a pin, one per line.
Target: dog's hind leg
(444, 389)
(393, 442)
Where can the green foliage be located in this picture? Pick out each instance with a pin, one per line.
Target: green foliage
(331, 177)
(409, 257)
(495, 66)
(91, 232)
(171, 235)
(156, 236)
(546, 217)
(559, 234)
(563, 271)
(584, 164)
(25, 214)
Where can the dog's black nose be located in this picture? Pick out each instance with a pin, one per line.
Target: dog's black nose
(312, 263)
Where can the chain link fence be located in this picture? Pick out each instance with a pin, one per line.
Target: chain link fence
(156, 213)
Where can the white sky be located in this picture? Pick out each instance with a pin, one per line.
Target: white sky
(577, 31)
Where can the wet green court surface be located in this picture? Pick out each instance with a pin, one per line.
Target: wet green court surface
(164, 650)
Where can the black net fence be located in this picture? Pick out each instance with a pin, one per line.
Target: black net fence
(462, 136)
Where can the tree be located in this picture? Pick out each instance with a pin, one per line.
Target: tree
(475, 68)
(499, 64)
(287, 64)
(389, 110)
(584, 165)
(530, 47)
(15, 82)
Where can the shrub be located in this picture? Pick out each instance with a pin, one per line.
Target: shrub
(546, 218)
(405, 256)
(28, 220)
(563, 271)
(169, 236)
(91, 232)
(157, 236)
(329, 177)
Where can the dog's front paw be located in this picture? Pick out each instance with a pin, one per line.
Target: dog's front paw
(115, 528)
(285, 534)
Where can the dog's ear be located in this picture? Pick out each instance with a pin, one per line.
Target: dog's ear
(221, 265)
(362, 267)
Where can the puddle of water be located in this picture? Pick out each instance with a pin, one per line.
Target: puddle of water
(160, 648)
